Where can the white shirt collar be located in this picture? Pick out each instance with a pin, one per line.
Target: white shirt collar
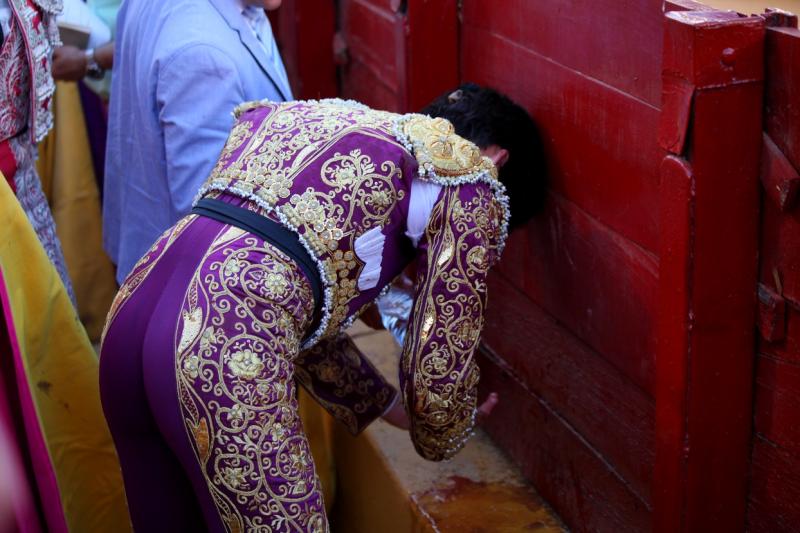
(242, 5)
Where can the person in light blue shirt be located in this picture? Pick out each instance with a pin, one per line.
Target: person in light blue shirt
(180, 68)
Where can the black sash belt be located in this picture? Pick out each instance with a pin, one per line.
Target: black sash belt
(282, 238)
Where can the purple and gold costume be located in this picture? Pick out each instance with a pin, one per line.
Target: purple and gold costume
(209, 330)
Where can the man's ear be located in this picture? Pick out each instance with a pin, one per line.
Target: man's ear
(499, 156)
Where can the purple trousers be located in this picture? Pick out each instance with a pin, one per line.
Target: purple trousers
(196, 376)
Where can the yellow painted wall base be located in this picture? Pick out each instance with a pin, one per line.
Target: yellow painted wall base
(384, 486)
(754, 6)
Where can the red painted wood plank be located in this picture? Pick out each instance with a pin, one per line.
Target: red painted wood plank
(360, 84)
(597, 284)
(779, 178)
(601, 143)
(673, 324)
(777, 408)
(775, 489)
(573, 477)
(308, 60)
(685, 5)
(782, 114)
(723, 306)
(780, 249)
(708, 279)
(370, 37)
(607, 409)
(619, 43)
(789, 349)
(431, 66)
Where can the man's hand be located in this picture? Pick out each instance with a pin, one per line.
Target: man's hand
(397, 416)
(486, 407)
(69, 63)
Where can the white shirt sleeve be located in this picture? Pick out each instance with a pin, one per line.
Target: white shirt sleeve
(369, 246)
(423, 196)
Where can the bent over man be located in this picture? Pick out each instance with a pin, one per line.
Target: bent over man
(311, 211)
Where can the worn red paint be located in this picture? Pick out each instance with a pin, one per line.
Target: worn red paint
(774, 502)
(400, 54)
(309, 62)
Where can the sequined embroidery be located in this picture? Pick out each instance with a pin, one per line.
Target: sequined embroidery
(439, 378)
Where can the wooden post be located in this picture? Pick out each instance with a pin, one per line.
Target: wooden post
(711, 130)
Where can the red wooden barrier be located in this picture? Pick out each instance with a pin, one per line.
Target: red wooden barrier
(620, 432)
(571, 317)
(401, 53)
(305, 32)
(713, 65)
(774, 503)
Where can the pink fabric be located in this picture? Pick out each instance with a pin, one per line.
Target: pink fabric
(17, 492)
(37, 448)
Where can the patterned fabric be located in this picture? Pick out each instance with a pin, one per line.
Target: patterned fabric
(24, 104)
(236, 353)
(36, 20)
(15, 81)
(439, 375)
(30, 196)
(334, 171)
(241, 322)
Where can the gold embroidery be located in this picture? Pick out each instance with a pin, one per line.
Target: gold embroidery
(351, 191)
(191, 327)
(243, 310)
(201, 438)
(245, 364)
(289, 139)
(438, 145)
(427, 324)
(441, 376)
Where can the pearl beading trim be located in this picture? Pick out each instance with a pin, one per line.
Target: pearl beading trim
(428, 172)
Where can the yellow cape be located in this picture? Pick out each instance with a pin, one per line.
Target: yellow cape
(62, 378)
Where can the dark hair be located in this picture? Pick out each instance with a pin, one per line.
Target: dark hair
(486, 117)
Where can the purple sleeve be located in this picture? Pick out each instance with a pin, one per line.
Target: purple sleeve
(439, 376)
(338, 376)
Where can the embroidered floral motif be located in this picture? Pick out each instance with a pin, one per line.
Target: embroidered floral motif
(245, 364)
(15, 89)
(244, 308)
(191, 366)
